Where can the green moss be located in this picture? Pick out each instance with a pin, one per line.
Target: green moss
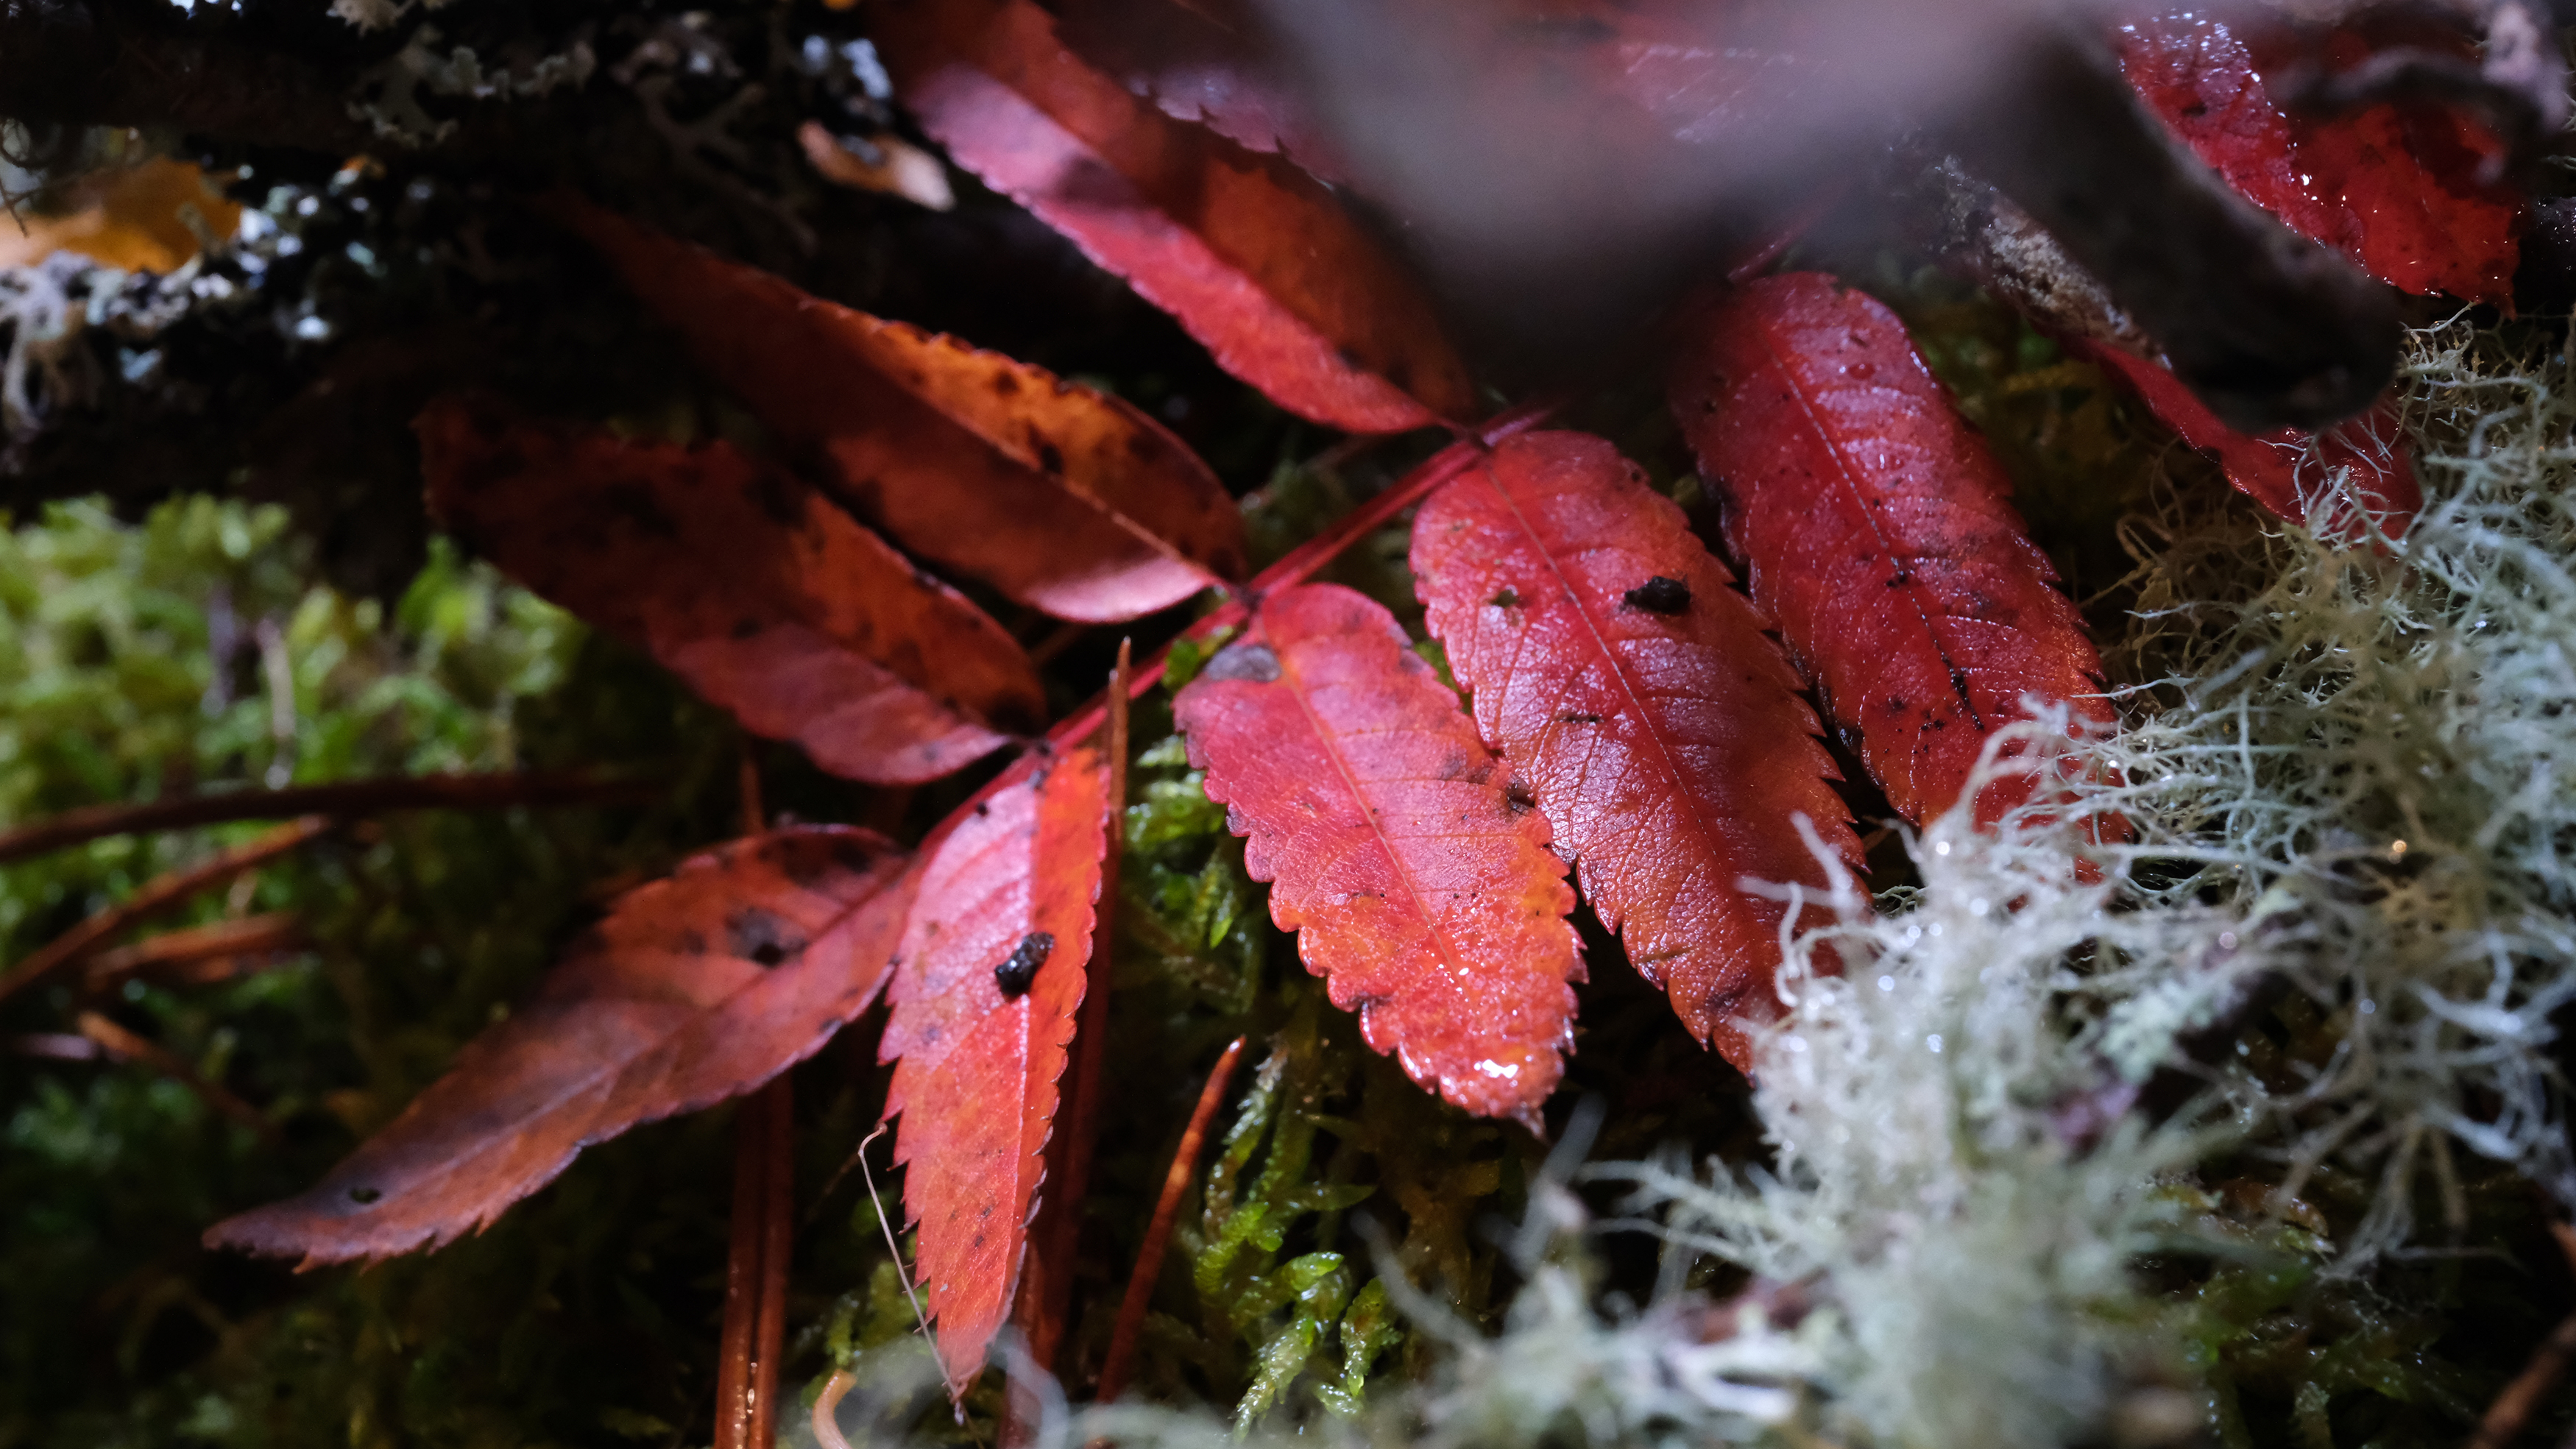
(581, 1317)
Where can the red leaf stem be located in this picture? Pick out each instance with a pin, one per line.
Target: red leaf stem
(1309, 558)
(1158, 1231)
(755, 1312)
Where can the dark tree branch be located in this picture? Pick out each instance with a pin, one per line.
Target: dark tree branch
(375, 796)
(75, 64)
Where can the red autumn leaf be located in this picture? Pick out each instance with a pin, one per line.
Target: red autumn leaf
(1064, 499)
(694, 989)
(1613, 663)
(1202, 64)
(2394, 188)
(739, 579)
(1422, 894)
(2351, 478)
(1878, 532)
(987, 980)
(1257, 260)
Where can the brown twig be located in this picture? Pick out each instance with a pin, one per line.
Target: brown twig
(124, 1046)
(755, 1314)
(157, 895)
(763, 1238)
(375, 796)
(1158, 1232)
(778, 1248)
(2513, 1408)
(250, 936)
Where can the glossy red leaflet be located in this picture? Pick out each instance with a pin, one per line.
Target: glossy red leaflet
(1063, 498)
(1636, 695)
(694, 989)
(2393, 187)
(988, 977)
(1258, 261)
(2346, 482)
(1878, 533)
(1418, 889)
(765, 598)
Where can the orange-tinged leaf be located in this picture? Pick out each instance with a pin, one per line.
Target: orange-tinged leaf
(1878, 530)
(745, 583)
(2353, 478)
(1064, 499)
(1419, 890)
(2394, 188)
(696, 988)
(1257, 260)
(987, 981)
(135, 217)
(1635, 693)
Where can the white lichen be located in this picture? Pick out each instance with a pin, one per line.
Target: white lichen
(388, 96)
(377, 14)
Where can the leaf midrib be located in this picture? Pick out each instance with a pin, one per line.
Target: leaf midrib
(1766, 334)
(1653, 724)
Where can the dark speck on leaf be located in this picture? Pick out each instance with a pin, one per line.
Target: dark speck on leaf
(1659, 595)
(1509, 598)
(365, 1196)
(1021, 967)
(761, 936)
